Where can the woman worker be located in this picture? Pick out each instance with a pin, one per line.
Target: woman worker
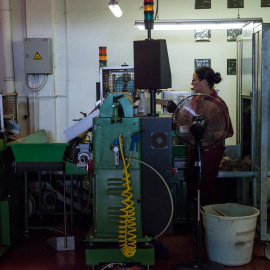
(203, 82)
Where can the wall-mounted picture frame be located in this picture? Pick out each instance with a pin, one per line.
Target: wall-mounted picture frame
(235, 3)
(231, 66)
(232, 34)
(202, 35)
(265, 3)
(202, 63)
(202, 4)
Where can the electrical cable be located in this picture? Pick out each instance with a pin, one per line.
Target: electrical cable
(36, 89)
(108, 265)
(127, 238)
(156, 14)
(169, 192)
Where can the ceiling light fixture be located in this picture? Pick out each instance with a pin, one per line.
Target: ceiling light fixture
(115, 9)
(198, 24)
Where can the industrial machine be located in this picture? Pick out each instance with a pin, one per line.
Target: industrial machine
(11, 214)
(116, 79)
(132, 203)
(49, 181)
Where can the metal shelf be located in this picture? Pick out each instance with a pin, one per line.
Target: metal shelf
(236, 174)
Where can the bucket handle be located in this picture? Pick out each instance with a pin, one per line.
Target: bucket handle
(221, 212)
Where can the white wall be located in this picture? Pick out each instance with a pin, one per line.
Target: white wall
(79, 27)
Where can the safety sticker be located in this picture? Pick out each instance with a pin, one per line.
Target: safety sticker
(37, 56)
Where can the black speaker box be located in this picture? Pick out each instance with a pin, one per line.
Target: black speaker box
(151, 64)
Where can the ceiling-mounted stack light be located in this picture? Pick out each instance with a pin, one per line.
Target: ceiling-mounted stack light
(115, 8)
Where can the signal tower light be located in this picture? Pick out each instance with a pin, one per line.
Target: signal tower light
(148, 14)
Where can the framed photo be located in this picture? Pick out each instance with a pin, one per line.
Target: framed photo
(233, 33)
(202, 4)
(265, 3)
(231, 66)
(202, 35)
(235, 3)
(202, 63)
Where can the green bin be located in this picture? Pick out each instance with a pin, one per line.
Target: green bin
(36, 148)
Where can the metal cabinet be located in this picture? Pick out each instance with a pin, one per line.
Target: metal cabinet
(253, 98)
(261, 123)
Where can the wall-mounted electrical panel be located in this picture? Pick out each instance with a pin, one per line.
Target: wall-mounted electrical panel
(38, 56)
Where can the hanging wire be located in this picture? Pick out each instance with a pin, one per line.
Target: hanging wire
(169, 193)
(156, 14)
(37, 85)
(108, 266)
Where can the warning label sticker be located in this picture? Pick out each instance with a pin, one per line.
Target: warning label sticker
(37, 56)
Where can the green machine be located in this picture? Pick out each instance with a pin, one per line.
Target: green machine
(121, 232)
(108, 185)
(10, 187)
(11, 217)
(132, 201)
(179, 190)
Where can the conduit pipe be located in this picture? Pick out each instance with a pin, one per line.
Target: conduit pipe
(7, 52)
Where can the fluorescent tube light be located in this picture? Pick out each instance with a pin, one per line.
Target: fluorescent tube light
(198, 24)
(115, 9)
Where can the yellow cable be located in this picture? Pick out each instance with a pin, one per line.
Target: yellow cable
(127, 238)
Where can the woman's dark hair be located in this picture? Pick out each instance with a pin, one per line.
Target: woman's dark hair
(208, 74)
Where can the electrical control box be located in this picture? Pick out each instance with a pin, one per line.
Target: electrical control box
(38, 56)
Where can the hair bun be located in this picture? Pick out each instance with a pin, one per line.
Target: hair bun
(217, 77)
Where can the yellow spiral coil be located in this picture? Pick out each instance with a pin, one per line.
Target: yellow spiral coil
(127, 236)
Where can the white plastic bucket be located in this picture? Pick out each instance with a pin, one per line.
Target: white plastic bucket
(229, 239)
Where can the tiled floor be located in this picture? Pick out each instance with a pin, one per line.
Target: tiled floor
(33, 253)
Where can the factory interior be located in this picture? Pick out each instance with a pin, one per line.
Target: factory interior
(105, 131)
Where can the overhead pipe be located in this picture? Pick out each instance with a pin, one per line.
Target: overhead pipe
(7, 51)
